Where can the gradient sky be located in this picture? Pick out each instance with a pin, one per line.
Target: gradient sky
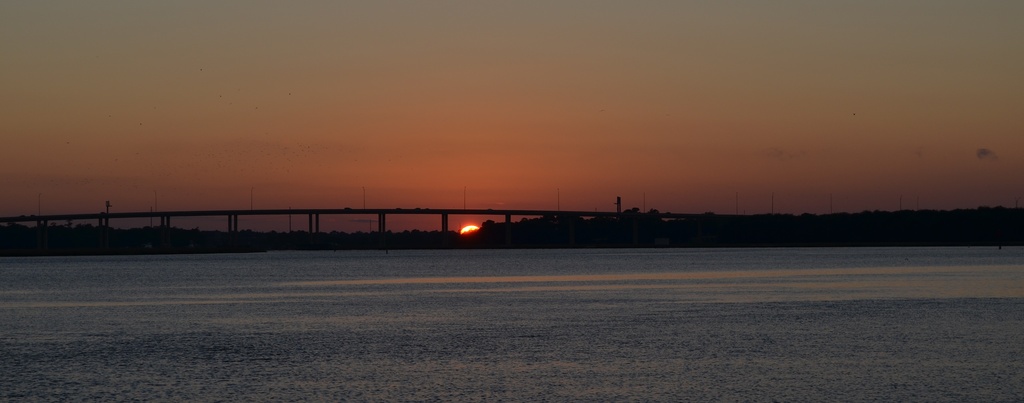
(674, 105)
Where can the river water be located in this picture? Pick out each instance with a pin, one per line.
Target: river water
(838, 324)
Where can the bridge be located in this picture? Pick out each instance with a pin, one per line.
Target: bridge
(232, 219)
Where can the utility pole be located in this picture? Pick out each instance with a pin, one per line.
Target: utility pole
(108, 206)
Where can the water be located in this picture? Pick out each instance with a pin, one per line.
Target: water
(918, 324)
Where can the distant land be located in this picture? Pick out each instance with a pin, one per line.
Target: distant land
(995, 226)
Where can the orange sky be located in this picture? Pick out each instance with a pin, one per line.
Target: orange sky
(192, 105)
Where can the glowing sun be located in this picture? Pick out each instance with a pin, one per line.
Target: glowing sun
(468, 229)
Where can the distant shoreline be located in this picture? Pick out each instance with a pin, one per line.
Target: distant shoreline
(123, 251)
(983, 226)
(201, 251)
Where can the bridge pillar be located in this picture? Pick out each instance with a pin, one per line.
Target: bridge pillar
(41, 238)
(508, 230)
(444, 230)
(310, 231)
(162, 241)
(234, 230)
(104, 232)
(314, 227)
(382, 227)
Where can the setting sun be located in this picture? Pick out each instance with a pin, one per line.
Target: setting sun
(468, 229)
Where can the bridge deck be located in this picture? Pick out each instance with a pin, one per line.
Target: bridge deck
(350, 211)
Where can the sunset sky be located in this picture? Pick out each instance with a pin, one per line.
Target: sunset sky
(682, 106)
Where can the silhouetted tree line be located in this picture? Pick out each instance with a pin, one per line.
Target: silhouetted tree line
(633, 228)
